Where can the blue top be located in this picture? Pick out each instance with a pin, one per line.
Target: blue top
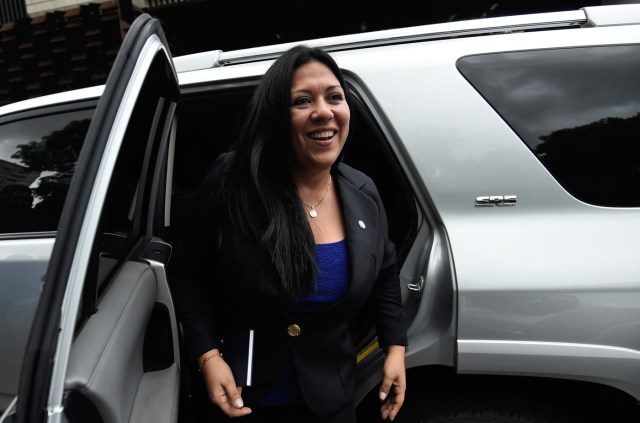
(332, 282)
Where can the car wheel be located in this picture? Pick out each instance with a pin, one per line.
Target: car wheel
(483, 416)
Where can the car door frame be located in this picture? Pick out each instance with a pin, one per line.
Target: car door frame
(42, 382)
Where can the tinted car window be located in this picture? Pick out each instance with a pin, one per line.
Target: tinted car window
(37, 159)
(578, 110)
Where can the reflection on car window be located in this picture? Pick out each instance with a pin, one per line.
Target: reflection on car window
(37, 160)
(578, 110)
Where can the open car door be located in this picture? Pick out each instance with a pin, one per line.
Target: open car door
(104, 342)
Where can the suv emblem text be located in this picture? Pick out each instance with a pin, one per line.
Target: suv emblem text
(496, 200)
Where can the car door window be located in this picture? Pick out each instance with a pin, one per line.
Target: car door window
(38, 156)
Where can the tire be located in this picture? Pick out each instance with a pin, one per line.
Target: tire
(502, 409)
(482, 416)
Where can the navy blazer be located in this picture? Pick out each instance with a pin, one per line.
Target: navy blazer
(222, 279)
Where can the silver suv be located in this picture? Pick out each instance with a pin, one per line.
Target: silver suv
(506, 151)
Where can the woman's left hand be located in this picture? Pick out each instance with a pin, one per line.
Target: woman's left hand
(394, 382)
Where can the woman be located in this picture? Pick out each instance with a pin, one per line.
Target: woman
(290, 242)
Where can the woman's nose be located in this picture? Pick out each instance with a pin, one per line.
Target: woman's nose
(322, 111)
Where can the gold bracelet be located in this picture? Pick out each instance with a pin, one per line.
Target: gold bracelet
(219, 354)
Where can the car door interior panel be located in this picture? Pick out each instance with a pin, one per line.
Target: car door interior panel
(106, 363)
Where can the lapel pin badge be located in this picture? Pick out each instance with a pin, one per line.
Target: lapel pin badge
(361, 224)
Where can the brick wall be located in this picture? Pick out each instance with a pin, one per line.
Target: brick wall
(58, 51)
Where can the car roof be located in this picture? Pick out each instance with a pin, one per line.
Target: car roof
(608, 15)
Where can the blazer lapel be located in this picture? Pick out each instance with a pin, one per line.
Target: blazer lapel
(362, 226)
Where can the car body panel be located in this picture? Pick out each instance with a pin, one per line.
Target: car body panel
(52, 99)
(575, 263)
(23, 264)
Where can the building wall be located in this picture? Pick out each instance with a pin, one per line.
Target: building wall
(58, 50)
(40, 7)
(12, 10)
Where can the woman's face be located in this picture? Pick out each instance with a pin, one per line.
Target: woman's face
(319, 116)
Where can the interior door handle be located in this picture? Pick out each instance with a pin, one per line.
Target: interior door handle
(416, 287)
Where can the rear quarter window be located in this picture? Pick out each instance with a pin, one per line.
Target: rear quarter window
(38, 156)
(577, 109)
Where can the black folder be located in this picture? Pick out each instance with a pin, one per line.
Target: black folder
(237, 347)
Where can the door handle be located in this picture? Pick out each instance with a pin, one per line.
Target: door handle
(416, 287)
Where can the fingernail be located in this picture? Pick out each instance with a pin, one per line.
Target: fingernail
(383, 395)
(238, 403)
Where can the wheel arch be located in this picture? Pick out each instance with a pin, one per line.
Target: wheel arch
(434, 391)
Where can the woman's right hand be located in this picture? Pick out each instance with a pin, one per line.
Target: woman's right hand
(221, 386)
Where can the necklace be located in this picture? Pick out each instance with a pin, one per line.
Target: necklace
(313, 213)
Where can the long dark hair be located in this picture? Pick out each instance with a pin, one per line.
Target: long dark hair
(259, 189)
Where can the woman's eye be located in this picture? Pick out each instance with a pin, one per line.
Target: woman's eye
(302, 101)
(335, 98)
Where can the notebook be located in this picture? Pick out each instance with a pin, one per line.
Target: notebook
(237, 347)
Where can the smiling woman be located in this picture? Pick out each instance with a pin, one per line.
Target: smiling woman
(277, 265)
